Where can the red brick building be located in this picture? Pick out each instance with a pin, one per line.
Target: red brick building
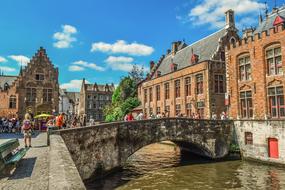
(34, 90)
(190, 78)
(255, 68)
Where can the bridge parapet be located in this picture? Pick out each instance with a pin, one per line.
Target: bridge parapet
(99, 149)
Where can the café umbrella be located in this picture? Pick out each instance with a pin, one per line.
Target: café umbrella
(43, 116)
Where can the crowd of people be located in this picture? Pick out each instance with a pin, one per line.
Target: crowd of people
(10, 125)
(141, 116)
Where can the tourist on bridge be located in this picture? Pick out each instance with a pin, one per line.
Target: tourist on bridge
(27, 130)
(60, 121)
(130, 117)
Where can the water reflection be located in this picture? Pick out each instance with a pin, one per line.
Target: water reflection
(162, 166)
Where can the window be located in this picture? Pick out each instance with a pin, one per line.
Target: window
(219, 84)
(173, 67)
(157, 110)
(6, 86)
(199, 83)
(31, 94)
(177, 109)
(166, 90)
(246, 104)
(188, 109)
(167, 109)
(150, 94)
(188, 86)
(177, 88)
(145, 95)
(276, 102)
(244, 68)
(89, 97)
(47, 95)
(274, 61)
(200, 109)
(12, 102)
(248, 138)
(40, 77)
(157, 93)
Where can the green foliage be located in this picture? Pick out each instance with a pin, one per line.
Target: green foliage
(124, 98)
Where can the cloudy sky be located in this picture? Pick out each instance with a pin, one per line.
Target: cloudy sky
(101, 40)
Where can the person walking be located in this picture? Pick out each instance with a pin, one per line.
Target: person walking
(27, 130)
(60, 120)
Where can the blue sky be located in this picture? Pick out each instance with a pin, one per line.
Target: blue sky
(101, 40)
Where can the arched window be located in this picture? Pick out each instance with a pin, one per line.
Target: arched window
(6, 86)
(12, 102)
(273, 58)
(244, 67)
(233, 41)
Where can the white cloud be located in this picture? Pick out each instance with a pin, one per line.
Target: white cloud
(122, 46)
(212, 11)
(7, 69)
(75, 68)
(85, 64)
(120, 63)
(73, 85)
(21, 59)
(65, 38)
(120, 59)
(2, 59)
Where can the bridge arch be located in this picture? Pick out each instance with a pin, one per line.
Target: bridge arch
(97, 150)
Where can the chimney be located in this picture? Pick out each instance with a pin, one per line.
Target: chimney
(246, 33)
(174, 48)
(260, 19)
(151, 64)
(230, 19)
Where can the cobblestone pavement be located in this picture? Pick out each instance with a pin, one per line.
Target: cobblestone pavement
(32, 172)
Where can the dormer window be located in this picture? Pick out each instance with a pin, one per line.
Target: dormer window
(194, 59)
(158, 73)
(173, 67)
(6, 86)
(278, 20)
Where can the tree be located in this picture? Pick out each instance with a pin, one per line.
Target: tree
(137, 73)
(124, 98)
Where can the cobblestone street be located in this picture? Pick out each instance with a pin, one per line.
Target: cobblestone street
(32, 172)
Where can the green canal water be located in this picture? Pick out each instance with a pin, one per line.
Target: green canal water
(162, 166)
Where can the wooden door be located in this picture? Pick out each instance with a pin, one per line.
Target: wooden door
(273, 148)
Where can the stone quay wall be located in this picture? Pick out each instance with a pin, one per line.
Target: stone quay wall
(98, 150)
(254, 138)
(63, 173)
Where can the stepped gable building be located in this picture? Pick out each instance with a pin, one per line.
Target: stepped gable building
(190, 78)
(93, 99)
(34, 90)
(256, 70)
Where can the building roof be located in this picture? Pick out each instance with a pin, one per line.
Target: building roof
(6, 79)
(204, 48)
(73, 95)
(269, 20)
(100, 88)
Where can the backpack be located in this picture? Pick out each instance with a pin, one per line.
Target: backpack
(26, 125)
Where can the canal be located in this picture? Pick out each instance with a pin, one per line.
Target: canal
(164, 166)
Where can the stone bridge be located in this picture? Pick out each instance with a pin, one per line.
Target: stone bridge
(97, 150)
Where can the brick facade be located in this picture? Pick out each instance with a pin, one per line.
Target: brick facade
(93, 99)
(261, 78)
(35, 89)
(184, 63)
